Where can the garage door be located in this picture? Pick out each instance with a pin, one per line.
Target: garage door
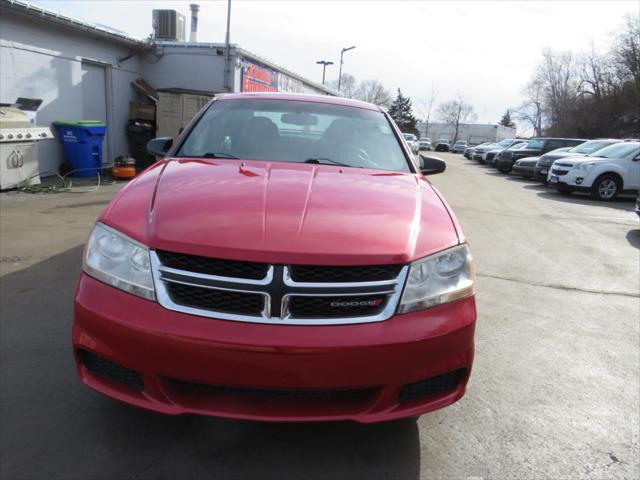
(94, 98)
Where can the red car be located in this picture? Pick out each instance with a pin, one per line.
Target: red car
(287, 260)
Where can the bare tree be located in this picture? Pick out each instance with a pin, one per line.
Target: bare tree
(456, 112)
(349, 86)
(373, 91)
(427, 104)
(531, 110)
(557, 75)
(626, 51)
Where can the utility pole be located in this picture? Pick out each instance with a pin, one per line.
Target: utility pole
(227, 69)
(324, 64)
(341, 62)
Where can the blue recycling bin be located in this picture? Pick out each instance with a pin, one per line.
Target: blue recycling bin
(82, 141)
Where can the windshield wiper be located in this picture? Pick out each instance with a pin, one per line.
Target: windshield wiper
(320, 160)
(217, 155)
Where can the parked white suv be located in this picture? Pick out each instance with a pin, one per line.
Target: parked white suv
(604, 173)
(412, 141)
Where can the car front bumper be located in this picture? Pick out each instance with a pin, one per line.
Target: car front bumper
(573, 180)
(523, 171)
(540, 173)
(189, 364)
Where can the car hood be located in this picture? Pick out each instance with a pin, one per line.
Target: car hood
(284, 212)
(525, 152)
(549, 158)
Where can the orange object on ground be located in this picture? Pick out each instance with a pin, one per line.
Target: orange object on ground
(124, 168)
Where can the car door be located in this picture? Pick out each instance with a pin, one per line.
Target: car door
(632, 165)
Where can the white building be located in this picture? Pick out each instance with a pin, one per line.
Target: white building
(83, 71)
(473, 133)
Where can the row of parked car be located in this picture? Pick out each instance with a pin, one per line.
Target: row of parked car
(604, 168)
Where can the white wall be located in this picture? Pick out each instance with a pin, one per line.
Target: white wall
(472, 133)
(39, 60)
(192, 68)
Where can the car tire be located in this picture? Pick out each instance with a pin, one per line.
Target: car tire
(504, 169)
(606, 187)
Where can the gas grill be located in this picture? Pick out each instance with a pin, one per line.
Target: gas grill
(18, 148)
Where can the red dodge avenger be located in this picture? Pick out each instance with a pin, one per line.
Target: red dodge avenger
(287, 260)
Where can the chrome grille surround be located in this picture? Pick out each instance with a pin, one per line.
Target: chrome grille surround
(277, 288)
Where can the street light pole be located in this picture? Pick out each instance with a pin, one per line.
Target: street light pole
(341, 62)
(324, 64)
(227, 70)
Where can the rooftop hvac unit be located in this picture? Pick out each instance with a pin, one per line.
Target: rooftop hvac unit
(168, 25)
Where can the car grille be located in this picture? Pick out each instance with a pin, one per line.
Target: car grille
(322, 274)
(283, 294)
(490, 155)
(213, 266)
(337, 307)
(216, 300)
(559, 171)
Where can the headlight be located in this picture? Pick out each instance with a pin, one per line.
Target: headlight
(585, 166)
(119, 261)
(439, 278)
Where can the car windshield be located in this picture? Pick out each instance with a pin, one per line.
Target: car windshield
(618, 150)
(505, 143)
(591, 146)
(295, 131)
(536, 144)
(409, 136)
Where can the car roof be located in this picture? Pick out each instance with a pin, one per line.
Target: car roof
(560, 138)
(301, 97)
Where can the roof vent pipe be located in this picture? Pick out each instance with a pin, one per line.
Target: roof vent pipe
(193, 37)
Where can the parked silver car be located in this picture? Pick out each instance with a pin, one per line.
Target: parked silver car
(424, 144)
(412, 141)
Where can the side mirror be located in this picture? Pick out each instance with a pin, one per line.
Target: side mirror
(432, 165)
(159, 146)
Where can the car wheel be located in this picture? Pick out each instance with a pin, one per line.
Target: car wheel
(504, 169)
(606, 187)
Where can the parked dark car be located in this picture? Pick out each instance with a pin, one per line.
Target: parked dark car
(443, 146)
(535, 148)
(480, 153)
(515, 146)
(468, 152)
(546, 161)
(525, 167)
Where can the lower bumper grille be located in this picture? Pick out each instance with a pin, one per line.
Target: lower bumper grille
(268, 393)
(432, 386)
(112, 371)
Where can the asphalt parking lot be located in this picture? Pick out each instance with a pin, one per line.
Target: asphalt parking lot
(554, 392)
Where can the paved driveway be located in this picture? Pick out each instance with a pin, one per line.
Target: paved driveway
(554, 392)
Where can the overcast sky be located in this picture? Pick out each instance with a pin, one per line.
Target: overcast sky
(482, 50)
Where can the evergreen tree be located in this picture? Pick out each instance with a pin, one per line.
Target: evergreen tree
(400, 111)
(506, 120)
